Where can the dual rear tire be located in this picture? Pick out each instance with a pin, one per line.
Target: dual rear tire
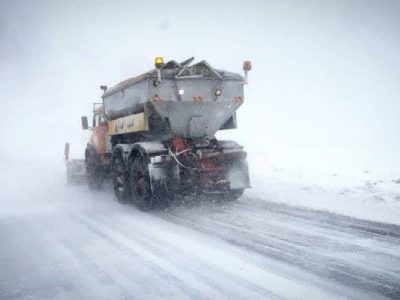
(140, 185)
(132, 182)
(121, 180)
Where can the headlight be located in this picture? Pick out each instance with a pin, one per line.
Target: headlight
(218, 92)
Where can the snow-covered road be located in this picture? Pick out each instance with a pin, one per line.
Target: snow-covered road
(65, 242)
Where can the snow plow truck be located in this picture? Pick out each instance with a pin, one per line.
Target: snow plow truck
(154, 135)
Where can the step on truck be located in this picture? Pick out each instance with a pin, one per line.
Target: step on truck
(154, 135)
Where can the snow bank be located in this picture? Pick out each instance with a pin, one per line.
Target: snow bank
(367, 196)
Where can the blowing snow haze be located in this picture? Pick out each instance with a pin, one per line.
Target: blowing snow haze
(323, 93)
(319, 123)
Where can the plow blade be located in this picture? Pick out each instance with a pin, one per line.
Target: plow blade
(76, 170)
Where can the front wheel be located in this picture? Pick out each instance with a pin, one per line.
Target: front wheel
(95, 178)
(94, 172)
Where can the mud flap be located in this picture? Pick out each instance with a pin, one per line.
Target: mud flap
(164, 178)
(238, 175)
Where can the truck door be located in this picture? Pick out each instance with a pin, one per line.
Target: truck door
(99, 133)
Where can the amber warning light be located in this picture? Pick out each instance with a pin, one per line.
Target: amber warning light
(159, 63)
(247, 65)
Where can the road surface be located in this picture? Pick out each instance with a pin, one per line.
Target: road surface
(66, 242)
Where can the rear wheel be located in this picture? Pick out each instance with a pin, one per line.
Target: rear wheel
(232, 195)
(140, 184)
(121, 185)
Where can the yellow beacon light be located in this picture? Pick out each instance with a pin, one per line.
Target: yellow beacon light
(159, 62)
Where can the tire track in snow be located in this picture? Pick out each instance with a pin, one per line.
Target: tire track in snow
(281, 286)
(292, 251)
(196, 289)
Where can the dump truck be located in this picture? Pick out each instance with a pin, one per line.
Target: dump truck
(154, 135)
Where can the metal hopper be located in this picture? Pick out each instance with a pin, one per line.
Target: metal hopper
(195, 100)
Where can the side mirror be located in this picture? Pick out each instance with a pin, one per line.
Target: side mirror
(85, 125)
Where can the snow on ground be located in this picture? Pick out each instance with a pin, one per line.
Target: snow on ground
(366, 195)
(66, 242)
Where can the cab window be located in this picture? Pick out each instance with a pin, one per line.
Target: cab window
(102, 120)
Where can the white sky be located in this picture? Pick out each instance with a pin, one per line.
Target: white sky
(323, 95)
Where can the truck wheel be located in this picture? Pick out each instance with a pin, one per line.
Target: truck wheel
(95, 177)
(121, 185)
(232, 195)
(140, 184)
(94, 172)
